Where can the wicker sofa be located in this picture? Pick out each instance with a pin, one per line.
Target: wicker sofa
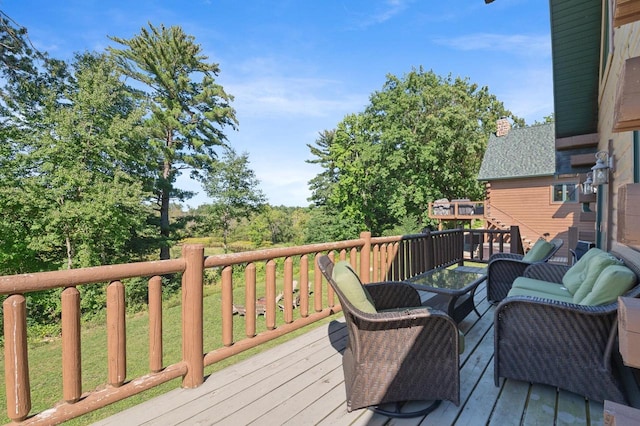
(545, 338)
(396, 350)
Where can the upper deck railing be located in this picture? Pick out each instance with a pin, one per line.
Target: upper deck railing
(376, 259)
(456, 210)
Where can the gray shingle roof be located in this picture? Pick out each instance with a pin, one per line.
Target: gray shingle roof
(524, 152)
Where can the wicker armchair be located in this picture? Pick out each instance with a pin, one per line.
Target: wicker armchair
(561, 344)
(406, 353)
(503, 268)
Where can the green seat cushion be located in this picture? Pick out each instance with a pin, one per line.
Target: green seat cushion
(575, 276)
(536, 293)
(594, 268)
(556, 289)
(350, 285)
(539, 251)
(614, 281)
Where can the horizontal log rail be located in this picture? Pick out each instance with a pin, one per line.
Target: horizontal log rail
(377, 259)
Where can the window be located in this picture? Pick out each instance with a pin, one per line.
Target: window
(565, 193)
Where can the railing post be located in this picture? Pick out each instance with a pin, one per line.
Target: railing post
(16, 359)
(270, 295)
(304, 286)
(429, 252)
(116, 334)
(516, 243)
(365, 257)
(460, 247)
(192, 311)
(573, 236)
(227, 305)
(71, 353)
(155, 323)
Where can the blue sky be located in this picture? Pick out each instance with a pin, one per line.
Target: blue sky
(297, 67)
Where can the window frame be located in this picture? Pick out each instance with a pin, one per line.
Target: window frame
(566, 193)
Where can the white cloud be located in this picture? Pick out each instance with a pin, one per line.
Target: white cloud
(284, 96)
(365, 19)
(518, 44)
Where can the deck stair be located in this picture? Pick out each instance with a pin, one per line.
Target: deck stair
(493, 223)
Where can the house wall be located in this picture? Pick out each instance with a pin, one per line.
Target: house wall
(527, 202)
(626, 44)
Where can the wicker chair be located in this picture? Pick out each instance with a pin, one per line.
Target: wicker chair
(408, 353)
(503, 268)
(561, 344)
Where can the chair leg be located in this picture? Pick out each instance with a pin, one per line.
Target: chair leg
(397, 413)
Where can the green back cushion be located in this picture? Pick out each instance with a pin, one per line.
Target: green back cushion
(614, 281)
(350, 285)
(594, 268)
(575, 276)
(539, 251)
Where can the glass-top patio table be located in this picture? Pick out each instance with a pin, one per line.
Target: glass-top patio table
(449, 290)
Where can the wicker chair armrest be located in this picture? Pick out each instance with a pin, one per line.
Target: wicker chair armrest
(401, 317)
(531, 302)
(496, 256)
(546, 272)
(393, 294)
(507, 266)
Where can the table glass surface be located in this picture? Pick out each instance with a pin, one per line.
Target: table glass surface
(446, 279)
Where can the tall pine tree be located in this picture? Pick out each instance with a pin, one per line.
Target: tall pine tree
(189, 110)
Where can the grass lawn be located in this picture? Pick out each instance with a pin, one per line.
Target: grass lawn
(45, 357)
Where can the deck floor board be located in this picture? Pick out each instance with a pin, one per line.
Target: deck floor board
(301, 383)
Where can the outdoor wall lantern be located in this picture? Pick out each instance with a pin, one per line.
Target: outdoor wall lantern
(601, 170)
(587, 185)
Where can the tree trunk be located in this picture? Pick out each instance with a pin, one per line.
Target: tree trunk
(164, 213)
(69, 253)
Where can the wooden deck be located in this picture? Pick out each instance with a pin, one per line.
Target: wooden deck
(301, 383)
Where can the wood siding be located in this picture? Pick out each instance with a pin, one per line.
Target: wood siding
(626, 45)
(527, 203)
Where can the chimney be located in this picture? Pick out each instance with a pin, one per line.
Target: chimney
(503, 127)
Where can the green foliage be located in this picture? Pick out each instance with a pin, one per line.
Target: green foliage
(324, 225)
(322, 183)
(274, 225)
(17, 54)
(546, 119)
(189, 110)
(422, 137)
(233, 187)
(408, 225)
(73, 180)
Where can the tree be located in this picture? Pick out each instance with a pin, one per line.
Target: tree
(322, 183)
(233, 187)
(189, 110)
(78, 163)
(273, 224)
(422, 137)
(546, 119)
(17, 54)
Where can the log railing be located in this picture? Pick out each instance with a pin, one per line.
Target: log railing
(379, 258)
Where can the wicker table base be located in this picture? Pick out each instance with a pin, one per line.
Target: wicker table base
(451, 291)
